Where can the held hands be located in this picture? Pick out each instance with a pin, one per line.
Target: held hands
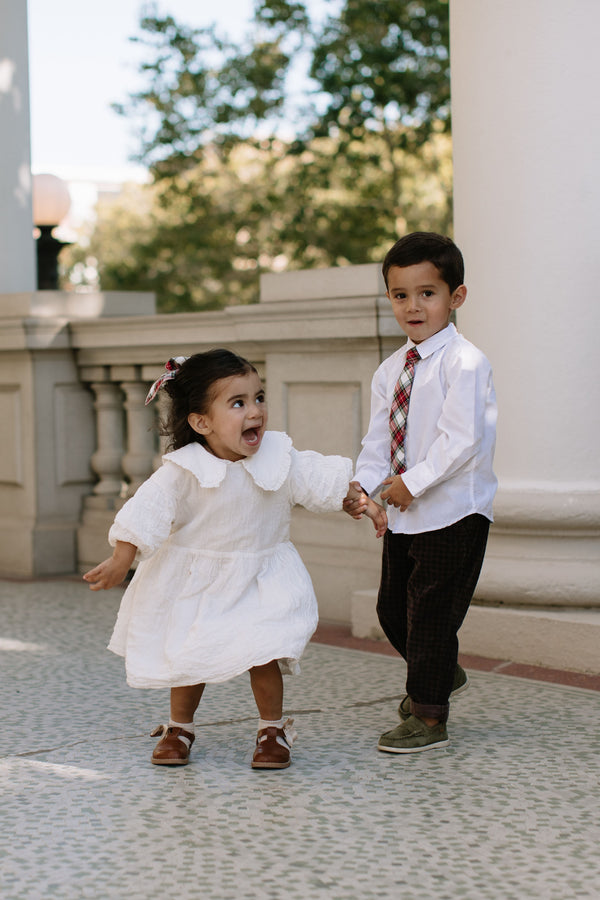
(397, 494)
(113, 570)
(357, 504)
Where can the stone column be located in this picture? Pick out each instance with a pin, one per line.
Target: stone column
(106, 461)
(527, 198)
(17, 251)
(139, 458)
(100, 506)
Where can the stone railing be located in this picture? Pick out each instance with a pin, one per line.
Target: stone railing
(77, 439)
(74, 372)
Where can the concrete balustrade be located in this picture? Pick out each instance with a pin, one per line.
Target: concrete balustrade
(83, 380)
(317, 356)
(62, 427)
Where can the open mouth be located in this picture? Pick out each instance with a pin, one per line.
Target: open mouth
(251, 436)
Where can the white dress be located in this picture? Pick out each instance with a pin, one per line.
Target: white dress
(219, 587)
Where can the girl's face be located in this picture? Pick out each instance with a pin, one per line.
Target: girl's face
(236, 420)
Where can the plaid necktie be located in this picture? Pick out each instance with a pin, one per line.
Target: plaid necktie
(399, 411)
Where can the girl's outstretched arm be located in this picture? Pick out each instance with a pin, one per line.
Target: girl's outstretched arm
(113, 570)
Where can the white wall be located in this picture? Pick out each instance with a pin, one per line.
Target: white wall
(526, 137)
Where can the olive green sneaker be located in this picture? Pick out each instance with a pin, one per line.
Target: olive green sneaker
(460, 684)
(404, 708)
(461, 681)
(413, 736)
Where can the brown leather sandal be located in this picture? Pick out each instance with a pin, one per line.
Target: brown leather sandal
(174, 747)
(269, 752)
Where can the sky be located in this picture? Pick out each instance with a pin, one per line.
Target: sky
(81, 60)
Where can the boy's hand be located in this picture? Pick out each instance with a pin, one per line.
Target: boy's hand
(397, 494)
(113, 570)
(355, 501)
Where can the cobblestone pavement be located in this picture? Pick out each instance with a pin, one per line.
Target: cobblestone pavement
(510, 809)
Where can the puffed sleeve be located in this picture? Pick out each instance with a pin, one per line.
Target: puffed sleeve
(319, 482)
(147, 518)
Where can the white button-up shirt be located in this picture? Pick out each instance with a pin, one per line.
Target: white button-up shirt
(450, 434)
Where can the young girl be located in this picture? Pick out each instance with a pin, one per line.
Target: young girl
(219, 589)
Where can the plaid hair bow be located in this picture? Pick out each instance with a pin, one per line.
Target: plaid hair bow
(172, 367)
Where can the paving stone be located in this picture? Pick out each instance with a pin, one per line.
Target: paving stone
(510, 809)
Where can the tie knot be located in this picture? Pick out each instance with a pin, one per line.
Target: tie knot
(412, 355)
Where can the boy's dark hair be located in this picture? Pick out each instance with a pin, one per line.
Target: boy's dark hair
(192, 391)
(426, 246)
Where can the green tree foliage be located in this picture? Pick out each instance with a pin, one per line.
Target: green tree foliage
(201, 90)
(383, 67)
(237, 191)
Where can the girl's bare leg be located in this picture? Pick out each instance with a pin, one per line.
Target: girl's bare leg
(173, 749)
(267, 687)
(184, 702)
(272, 749)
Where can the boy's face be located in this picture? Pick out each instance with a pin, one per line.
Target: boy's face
(421, 300)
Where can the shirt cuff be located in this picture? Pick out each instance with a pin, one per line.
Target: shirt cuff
(412, 481)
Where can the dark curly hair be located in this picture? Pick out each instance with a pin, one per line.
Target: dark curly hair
(192, 391)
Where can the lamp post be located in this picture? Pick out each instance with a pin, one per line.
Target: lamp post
(51, 203)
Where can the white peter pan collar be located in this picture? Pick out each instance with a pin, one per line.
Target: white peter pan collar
(269, 466)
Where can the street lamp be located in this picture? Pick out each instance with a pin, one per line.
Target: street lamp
(51, 203)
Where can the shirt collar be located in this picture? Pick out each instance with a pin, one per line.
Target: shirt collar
(268, 467)
(433, 343)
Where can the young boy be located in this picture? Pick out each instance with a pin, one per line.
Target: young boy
(430, 445)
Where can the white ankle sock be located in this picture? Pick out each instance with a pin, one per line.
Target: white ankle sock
(265, 723)
(188, 726)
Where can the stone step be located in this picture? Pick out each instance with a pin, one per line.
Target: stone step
(552, 637)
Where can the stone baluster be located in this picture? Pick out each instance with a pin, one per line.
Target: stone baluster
(161, 402)
(137, 462)
(106, 461)
(160, 408)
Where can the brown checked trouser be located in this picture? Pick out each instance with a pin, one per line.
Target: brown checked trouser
(427, 583)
